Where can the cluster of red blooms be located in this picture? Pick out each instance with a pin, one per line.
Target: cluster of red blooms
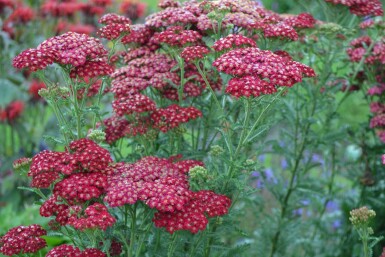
(177, 36)
(85, 54)
(244, 14)
(71, 251)
(82, 175)
(163, 184)
(361, 7)
(69, 8)
(23, 239)
(96, 216)
(170, 117)
(359, 50)
(372, 52)
(192, 217)
(115, 26)
(233, 41)
(146, 68)
(12, 111)
(134, 9)
(192, 53)
(20, 14)
(252, 66)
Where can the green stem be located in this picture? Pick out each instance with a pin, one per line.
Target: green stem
(133, 231)
(284, 205)
(145, 235)
(194, 248)
(171, 247)
(210, 241)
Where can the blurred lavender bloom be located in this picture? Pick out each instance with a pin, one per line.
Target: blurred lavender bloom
(316, 158)
(332, 206)
(262, 158)
(284, 164)
(337, 224)
(301, 211)
(268, 176)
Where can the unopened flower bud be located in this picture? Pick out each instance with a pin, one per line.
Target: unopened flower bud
(198, 172)
(330, 28)
(97, 135)
(22, 164)
(361, 216)
(216, 150)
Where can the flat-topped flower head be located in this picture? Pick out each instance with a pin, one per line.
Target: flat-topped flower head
(70, 48)
(92, 69)
(302, 20)
(263, 63)
(140, 34)
(168, 3)
(23, 240)
(177, 36)
(171, 117)
(233, 41)
(96, 216)
(249, 86)
(86, 156)
(72, 251)
(136, 103)
(192, 53)
(280, 30)
(170, 16)
(111, 18)
(192, 217)
(160, 183)
(361, 7)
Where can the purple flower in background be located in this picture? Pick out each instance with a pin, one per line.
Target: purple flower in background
(316, 158)
(270, 176)
(302, 211)
(262, 158)
(337, 224)
(332, 206)
(284, 164)
(267, 176)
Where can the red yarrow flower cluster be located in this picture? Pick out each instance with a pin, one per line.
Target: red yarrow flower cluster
(140, 34)
(115, 26)
(177, 36)
(265, 65)
(118, 127)
(160, 183)
(172, 116)
(135, 103)
(86, 156)
(92, 69)
(170, 16)
(193, 215)
(361, 7)
(22, 240)
(280, 30)
(95, 216)
(61, 8)
(70, 48)
(192, 53)
(249, 86)
(168, 3)
(233, 41)
(12, 111)
(71, 251)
